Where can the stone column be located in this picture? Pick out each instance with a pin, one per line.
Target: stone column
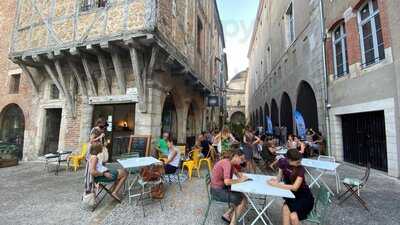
(182, 115)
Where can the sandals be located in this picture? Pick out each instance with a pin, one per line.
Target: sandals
(225, 219)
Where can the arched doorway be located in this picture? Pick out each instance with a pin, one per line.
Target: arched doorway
(261, 117)
(274, 113)
(257, 124)
(307, 105)
(12, 127)
(238, 118)
(286, 113)
(169, 117)
(254, 120)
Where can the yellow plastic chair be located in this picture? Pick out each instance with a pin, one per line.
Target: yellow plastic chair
(182, 150)
(76, 159)
(207, 160)
(193, 163)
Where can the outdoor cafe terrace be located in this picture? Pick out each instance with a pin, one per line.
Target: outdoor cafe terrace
(31, 195)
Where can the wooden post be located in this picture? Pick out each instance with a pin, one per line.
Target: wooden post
(119, 72)
(137, 73)
(78, 78)
(89, 75)
(102, 64)
(30, 78)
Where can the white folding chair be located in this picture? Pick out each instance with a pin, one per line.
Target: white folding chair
(334, 173)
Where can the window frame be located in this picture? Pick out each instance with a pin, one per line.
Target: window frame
(361, 22)
(343, 41)
(290, 24)
(14, 83)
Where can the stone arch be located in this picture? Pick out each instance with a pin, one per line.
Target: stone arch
(306, 104)
(169, 119)
(238, 118)
(12, 126)
(261, 116)
(274, 113)
(257, 119)
(286, 112)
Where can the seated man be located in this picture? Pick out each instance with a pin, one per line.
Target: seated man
(102, 173)
(162, 145)
(221, 181)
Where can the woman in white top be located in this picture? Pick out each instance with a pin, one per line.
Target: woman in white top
(172, 163)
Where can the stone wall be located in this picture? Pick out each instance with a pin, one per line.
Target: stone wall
(276, 66)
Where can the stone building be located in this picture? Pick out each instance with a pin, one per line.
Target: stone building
(146, 66)
(286, 66)
(363, 61)
(235, 98)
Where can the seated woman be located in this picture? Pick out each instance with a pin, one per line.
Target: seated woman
(174, 157)
(221, 181)
(271, 149)
(102, 173)
(293, 174)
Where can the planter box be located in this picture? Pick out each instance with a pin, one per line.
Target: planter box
(8, 162)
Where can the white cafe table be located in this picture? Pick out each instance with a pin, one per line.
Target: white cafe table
(259, 186)
(323, 167)
(133, 163)
(282, 151)
(140, 162)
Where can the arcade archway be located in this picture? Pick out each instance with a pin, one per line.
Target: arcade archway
(12, 127)
(307, 105)
(286, 113)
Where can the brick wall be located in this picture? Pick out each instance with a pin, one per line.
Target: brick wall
(353, 35)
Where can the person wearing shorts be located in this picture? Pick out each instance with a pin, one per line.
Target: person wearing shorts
(102, 173)
(221, 181)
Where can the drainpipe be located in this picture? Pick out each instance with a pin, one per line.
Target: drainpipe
(325, 79)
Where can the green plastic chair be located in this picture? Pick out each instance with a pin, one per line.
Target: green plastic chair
(210, 198)
(321, 204)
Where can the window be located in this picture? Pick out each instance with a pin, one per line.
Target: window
(269, 59)
(289, 19)
(87, 5)
(340, 59)
(14, 83)
(372, 47)
(54, 92)
(200, 36)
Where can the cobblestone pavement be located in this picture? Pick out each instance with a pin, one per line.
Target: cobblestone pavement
(30, 195)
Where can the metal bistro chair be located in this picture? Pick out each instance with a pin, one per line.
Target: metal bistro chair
(323, 199)
(334, 173)
(209, 196)
(168, 177)
(354, 186)
(146, 187)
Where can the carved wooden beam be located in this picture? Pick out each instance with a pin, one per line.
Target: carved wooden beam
(89, 75)
(78, 78)
(153, 59)
(30, 78)
(137, 72)
(67, 93)
(102, 63)
(119, 72)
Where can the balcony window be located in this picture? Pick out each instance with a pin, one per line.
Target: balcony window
(372, 46)
(87, 5)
